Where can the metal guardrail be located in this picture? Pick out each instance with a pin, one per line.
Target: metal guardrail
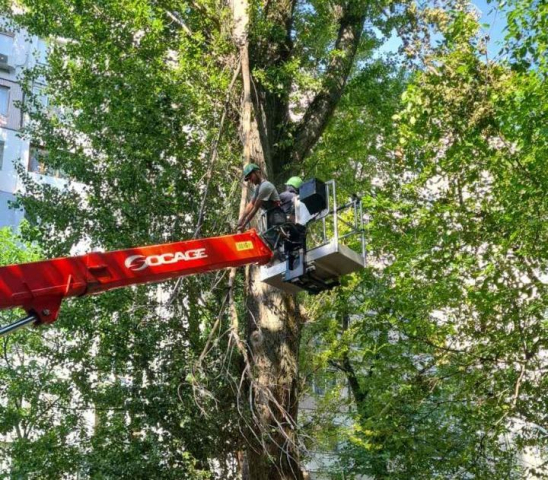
(332, 220)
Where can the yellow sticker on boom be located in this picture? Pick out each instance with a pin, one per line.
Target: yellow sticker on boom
(240, 246)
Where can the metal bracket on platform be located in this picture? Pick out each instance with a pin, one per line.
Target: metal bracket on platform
(300, 273)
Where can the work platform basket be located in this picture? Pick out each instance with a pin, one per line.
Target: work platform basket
(335, 242)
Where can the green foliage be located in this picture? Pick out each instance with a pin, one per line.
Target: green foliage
(34, 429)
(526, 34)
(441, 339)
(136, 92)
(134, 108)
(356, 134)
(446, 338)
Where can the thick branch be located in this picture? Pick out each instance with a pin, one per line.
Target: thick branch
(348, 369)
(320, 110)
(272, 51)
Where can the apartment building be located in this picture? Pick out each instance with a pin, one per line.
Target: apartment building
(18, 51)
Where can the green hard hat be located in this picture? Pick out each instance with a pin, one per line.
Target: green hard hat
(250, 167)
(294, 182)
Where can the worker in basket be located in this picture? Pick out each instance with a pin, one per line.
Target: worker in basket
(294, 235)
(265, 197)
(288, 197)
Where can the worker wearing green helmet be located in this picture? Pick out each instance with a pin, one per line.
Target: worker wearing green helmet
(265, 196)
(294, 182)
(288, 197)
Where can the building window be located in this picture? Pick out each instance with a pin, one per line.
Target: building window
(6, 44)
(1, 154)
(42, 52)
(323, 382)
(40, 98)
(38, 163)
(36, 159)
(4, 101)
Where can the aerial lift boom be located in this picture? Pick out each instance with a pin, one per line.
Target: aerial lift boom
(40, 287)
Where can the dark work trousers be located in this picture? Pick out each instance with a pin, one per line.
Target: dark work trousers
(274, 217)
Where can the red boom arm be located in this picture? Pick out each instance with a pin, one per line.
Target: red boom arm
(40, 287)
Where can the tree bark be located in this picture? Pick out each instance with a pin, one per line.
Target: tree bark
(273, 329)
(273, 326)
(273, 333)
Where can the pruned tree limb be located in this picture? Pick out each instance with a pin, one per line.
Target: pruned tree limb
(179, 22)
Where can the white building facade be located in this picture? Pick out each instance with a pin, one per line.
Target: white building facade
(18, 52)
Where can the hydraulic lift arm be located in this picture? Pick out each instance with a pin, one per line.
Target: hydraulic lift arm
(40, 287)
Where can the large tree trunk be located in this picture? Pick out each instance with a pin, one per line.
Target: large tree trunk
(273, 333)
(273, 326)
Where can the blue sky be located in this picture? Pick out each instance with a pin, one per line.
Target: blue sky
(496, 22)
(493, 21)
